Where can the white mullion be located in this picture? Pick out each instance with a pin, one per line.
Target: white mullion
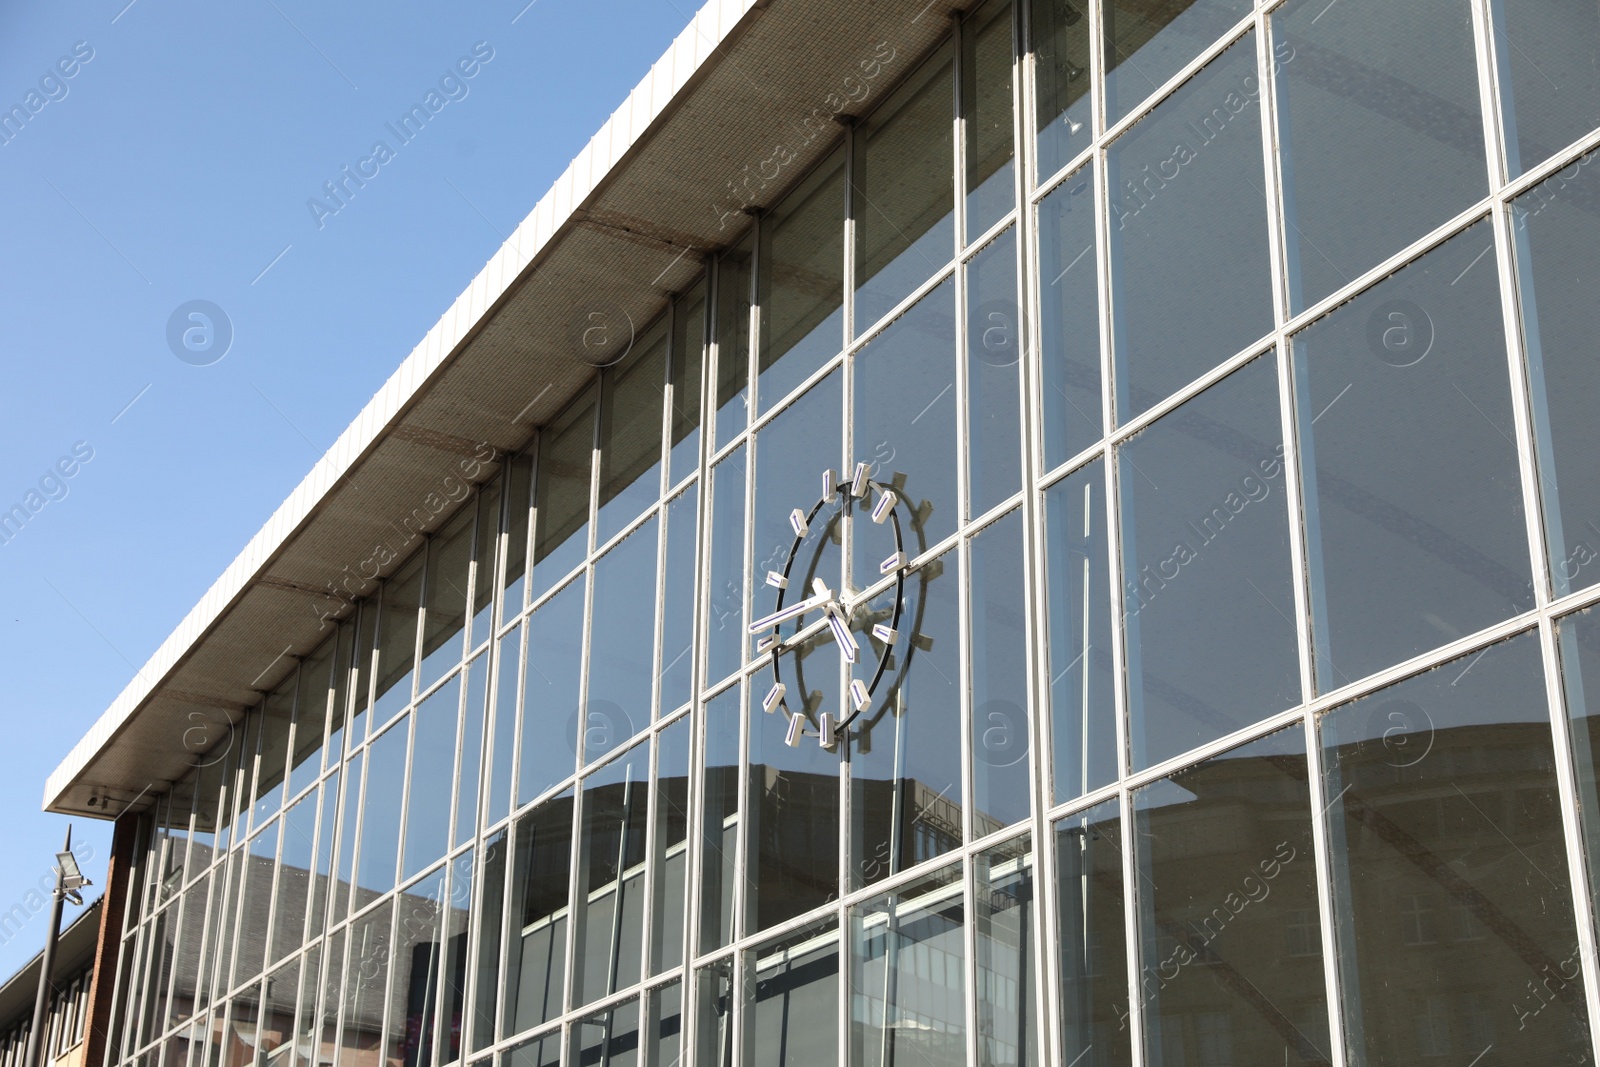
(1488, 95)
(1322, 853)
(1130, 918)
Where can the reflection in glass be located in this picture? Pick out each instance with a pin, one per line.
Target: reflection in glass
(1148, 43)
(472, 728)
(536, 953)
(1378, 147)
(1008, 967)
(449, 560)
(802, 281)
(994, 378)
(1451, 887)
(536, 1052)
(1062, 39)
(550, 693)
(305, 1052)
(986, 107)
(561, 496)
(666, 1015)
(1416, 533)
(322, 880)
(719, 830)
(1549, 57)
(453, 978)
(1093, 1010)
(1186, 182)
(1229, 929)
(688, 362)
(717, 1006)
(397, 642)
(670, 812)
(1082, 673)
(503, 740)
(1069, 319)
(903, 207)
(610, 913)
(1557, 239)
(677, 608)
(433, 758)
(345, 884)
(793, 1009)
(733, 341)
(609, 1038)
(1001, 735)
(414, 992)
(380, 813)
(621, 658)
(367, 968)
(294, 874)
(907, 976)
(905, 772)
(1578, 638)
(630, 433)
(725, 639)
(486, 965)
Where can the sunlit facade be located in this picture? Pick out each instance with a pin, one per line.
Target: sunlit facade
(1215, 695)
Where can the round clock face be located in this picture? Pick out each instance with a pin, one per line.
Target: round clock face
(820, 612)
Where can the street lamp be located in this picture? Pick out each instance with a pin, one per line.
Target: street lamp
(69, 879)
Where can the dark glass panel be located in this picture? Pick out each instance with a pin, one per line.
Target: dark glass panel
(449, 561)
(1549, 57)
(1062, 39)
(1091, 943)
(666, 1026)
(294, 878)
(550, 689)
(994, 375)
(1378, 146)
(1082, 673)
(537, 950)
(453, 981)
(1451, 888)
(518, 501)
(277, 713)
(986, 107)
(537, 1052)
(561, 496)
(906, 423)
(719, 830)
(311, 718)
(380, 813)
(609, 1038)
(687, 373)
(472, 730)
(621, 657)
(1069, 319)
(609, 924)
(1001, 734)
(433, 760)
(725, 638)
(677, 609)
(397, 642)
(486, 965)
(1416, 532)
(1186, 183)
(486, 539)
(907, 976)
(1557, 239)
(733, 341)
(902, 189)
(717, 1004)
(1147, 43)
(414, 994)
(1229, 930)
(792, 1000)
(802, 281)
(905, 767)
(1208, 601)
(370, 953)
(503, 742)
(1578, 638)
(670, 810)
(1008, 962)
(631, 401)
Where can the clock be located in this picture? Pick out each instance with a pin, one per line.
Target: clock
(833, 610)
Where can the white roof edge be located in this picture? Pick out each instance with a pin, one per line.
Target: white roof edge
(689, 50)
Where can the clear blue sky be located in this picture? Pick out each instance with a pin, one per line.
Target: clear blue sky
(174, 165)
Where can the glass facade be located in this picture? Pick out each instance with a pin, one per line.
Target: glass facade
(1230, 369)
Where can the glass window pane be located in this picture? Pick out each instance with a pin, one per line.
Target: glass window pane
(670, 811)
(677, 611)
(986, 106)
(503, 740)
(1091, 944)
(609, 1038)
(621, 656)
(1185, 183)
(348, 827)
(725, 638)
(519, 499)
(311, 717)
(537, 1052)
(994, 375)
(550, 693)
(1557, 238)
(294, 879)
(905, 769)
(906, 423)
(276, 712)
(1146, 44)
(632, 395)
(610, 913)
(688, 369)
(733, 341)
(1229, 929)
(536, 958)
(1082, 674)
(433, 759)
(1449, 865)
(793, 1005)
(802, 281)
(326, 1024)
(1069, 319)
(907, 976)
(1061, 80)
(486, 539)
(472, 724)
(255, 908)
(561, 496)
(1001, 737)
(365, 983)
(1208, 603)
(449, 560)
(718, 1006)
(413, 999)
(397, 641)
(904, 173)
(340, 686)
(457, 922)
(362, 659)
(666, 1014)
(1578, 638)
(1549, 58)
(1008, 968)
(308, 1027)
(1377, 147)
(1416, 531)
(380, 811)
(323, 876)
(719, 832)
(486, 965)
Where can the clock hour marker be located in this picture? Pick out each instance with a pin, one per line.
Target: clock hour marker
(829, 737)
(767, 643)
(830, 482)
(776, 580)
(797, 520)
(774, 697)
(858, 694)
(886, 502)
(858, 486)
(885, 634)
(893, 563)
(796, 727)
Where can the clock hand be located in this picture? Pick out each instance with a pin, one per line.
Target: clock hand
(841, 633)
(795, 610)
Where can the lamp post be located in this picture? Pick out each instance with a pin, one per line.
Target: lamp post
(69, 879)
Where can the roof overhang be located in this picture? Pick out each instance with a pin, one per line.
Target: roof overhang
(741, 104)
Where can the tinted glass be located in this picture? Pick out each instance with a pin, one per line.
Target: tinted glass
(908, 976)
(609, 1038)
(503, 740)
(1186, 182)
(486, 967)
(1549, 58)
(536, 955)
(994, 378)
(1062, 39)
(986, 108)
(1409, 471)
(1005, 914)
(688, 362)
(1069, 319)
(631, 398)
(380, 811)
(725, 639)
(802, 281)
(550, 693)
(472, 733)
(413, 997)
(793, 1010)
(1451, 886)
(449, 559)
(677, 609)
(719, 830)
(397, 641)
(716, 1015)
(621, 659)
(433, 758)
(1091, 944)
(1358, 113)
(1578, 638)
(670, 812)
(1001, 737)
(1208, 603)
(666, 1014)
(561, 497)
(1145, 44)
(611, 851)
(294, 879)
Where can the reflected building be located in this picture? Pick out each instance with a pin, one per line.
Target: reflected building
(995, 532)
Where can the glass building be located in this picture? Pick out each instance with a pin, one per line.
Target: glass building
(1005, 533)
